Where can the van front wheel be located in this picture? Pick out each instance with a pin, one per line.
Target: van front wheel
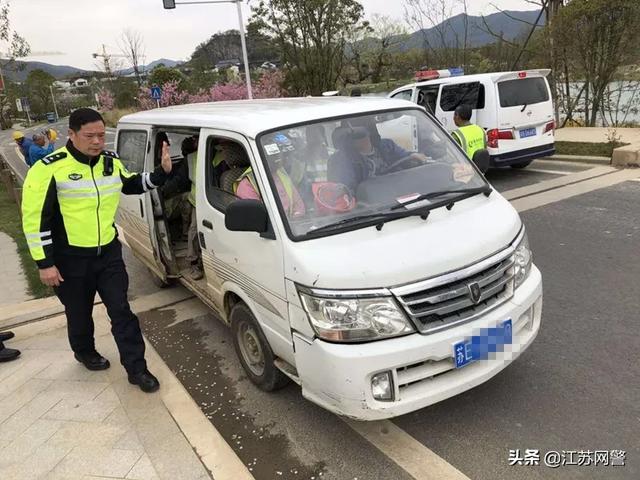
(254, 351)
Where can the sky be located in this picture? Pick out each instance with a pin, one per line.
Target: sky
(69, 31)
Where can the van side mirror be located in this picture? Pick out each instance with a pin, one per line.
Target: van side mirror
(482, 160)
(247, 216)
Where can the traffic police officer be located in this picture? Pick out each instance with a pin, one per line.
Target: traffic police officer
(69, 204)
(471, 137)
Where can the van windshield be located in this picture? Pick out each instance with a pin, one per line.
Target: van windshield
(338, 172)
(523, 91)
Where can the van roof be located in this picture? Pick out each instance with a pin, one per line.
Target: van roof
(250, 117)
(493, 76)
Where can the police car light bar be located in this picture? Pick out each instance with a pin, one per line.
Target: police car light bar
(433, 74)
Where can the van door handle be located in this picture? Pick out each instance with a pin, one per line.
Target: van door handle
(141, 209)
(207, 224)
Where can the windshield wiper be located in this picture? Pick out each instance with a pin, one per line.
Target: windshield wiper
(346, 221)
(464, 192)
(524, 107)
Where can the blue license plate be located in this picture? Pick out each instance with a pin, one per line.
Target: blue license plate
(527, 132)
(482, 346)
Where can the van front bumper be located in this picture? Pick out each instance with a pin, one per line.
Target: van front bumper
(522, 156)
(338, 376)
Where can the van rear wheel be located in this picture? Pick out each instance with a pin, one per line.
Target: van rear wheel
(254, 351)
(521, 164)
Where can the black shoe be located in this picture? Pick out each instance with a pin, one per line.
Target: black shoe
(4, 336)
(147, 382)
(92, 360)
(8, 354)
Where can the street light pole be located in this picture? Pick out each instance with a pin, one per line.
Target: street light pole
(170, 4)
(55, 108)
(243, 41)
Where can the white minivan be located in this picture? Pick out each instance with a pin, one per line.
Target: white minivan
(368, 259)
(514, 108)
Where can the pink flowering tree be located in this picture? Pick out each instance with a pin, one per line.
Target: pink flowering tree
(105, 99)
(268, 86)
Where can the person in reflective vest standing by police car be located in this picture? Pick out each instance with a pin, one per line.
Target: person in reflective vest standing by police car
(69, 203)
(471, 137)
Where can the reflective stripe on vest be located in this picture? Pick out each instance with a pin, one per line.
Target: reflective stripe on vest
(471, 137)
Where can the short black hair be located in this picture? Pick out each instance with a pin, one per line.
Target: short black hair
(82, 116)
(464, 112)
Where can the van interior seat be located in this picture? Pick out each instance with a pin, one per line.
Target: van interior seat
(237, 160)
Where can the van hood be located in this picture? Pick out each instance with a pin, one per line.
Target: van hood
(406, 250)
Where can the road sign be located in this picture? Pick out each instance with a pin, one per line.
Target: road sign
(25, 104)
(19, 104)
(156, 93)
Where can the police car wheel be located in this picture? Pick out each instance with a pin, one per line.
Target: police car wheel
(254, 351)
(521, 164)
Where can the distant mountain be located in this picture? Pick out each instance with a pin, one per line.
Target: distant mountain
(165, 61)
(18, 72)
(477, 34)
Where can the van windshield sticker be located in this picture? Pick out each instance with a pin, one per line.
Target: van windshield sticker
(272, 149)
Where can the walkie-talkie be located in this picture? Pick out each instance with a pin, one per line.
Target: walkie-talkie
(108, 166)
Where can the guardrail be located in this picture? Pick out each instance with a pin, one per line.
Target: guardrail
(11, 182)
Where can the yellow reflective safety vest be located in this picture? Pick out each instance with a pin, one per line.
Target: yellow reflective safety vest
(471, 138)
(69, 204)
(282, 175)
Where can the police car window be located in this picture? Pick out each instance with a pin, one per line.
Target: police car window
(471, 94)
(523, 91)
(403, 95)
(132, 148)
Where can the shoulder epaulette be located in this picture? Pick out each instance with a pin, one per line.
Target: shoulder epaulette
(109, 153)
(54, 157)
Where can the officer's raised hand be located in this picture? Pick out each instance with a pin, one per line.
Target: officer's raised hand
(166, 158)
(50, 276)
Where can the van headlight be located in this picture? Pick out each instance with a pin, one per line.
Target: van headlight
(353, 319)
(522, 261)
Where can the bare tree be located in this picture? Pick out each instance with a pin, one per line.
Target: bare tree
(435, 20)
(389, 34)
(132, 46)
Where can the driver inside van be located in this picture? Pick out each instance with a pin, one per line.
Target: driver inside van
(360, 157)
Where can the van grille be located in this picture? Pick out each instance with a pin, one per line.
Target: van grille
(461, 299)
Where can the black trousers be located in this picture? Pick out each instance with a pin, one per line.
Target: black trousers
(107, 275)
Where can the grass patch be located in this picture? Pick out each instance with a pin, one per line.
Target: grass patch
(604, 149)
(11, 224)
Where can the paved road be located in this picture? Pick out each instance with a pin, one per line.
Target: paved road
(576, 388)
(9, 148)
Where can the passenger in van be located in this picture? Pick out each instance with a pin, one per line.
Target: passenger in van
(359, 157)
(245, 186)
(174, 191)
(469, 136)
(194, 254)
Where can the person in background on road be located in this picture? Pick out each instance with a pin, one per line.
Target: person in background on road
(41, 147)
(23, 143)
(7, 354)
(469, 136)
(69, 203)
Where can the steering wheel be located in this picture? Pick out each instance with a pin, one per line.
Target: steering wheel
(394, 167)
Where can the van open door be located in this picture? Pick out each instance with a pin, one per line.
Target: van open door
(452, 95)
(136, 212)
